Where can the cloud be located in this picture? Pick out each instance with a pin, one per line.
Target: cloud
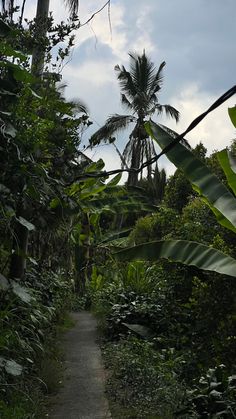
(99, 32)
(215, 131)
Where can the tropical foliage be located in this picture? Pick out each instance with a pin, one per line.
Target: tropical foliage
(214, 193)
(182, 306)
(163, 285)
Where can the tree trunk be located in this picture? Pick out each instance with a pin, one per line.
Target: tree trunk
(135, 160)
(40, 35)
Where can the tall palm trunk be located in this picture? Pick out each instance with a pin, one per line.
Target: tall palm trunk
(21, 234)
(40, 35)
(140, 135)
(135, 160)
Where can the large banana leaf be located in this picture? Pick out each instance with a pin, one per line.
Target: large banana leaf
(232, 115)
(183, 251)
(228, 164)
(220, 200)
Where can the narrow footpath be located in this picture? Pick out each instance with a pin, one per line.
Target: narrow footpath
(82, 394)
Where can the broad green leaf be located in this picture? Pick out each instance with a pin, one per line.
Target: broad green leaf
(13, 368)
(232, 115)
(143, 331)
(228, 164)
(35, 94)
(95, 166)
(183, 251)
(10, 130)
(32, 260)
(4, 284)
(116, 235)
(8, 51)
(115, 180)
(21, 292)
(204, 181)
(19, 73)
(86, 193)
(55, 202)
(26, 223)
(10, 366)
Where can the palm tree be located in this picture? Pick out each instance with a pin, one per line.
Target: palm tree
(139, 94)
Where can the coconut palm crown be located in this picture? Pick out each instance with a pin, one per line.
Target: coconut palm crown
(139, 95)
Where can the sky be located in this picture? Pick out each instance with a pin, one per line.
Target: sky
(196, 39)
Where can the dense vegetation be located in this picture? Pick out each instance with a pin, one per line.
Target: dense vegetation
(169, 329)
(67, 230)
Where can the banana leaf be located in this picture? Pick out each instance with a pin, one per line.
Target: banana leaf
(217, 196)
(228, 165)
(182, 251)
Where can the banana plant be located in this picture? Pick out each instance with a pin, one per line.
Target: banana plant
(220, 199)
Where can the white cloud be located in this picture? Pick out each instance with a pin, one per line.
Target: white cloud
(144, 31)
(99, 31)
(215, 131)
(92, 72)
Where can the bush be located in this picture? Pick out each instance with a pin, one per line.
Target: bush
(143, 380)
(154, 227)
(214, 394)
(29, 314)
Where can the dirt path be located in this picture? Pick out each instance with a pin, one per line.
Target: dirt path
(82, 395)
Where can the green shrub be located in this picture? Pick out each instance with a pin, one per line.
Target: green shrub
(154, 227)
(144, 380)
(214, 395)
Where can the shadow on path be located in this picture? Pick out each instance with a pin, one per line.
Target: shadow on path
(82, 395)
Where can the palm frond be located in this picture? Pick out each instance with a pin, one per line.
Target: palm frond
(128, 150)
(73, 6)
(125, 101)
(169, 110)
(113, 124)
(125, 80)
(123, 162)
(159, 75)
(156, 82)
(79, 106)
(142, 70)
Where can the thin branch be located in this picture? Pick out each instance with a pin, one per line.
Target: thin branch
(108, 3)
(227, 95)
(109, 17)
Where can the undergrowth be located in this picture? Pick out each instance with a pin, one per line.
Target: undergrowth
(32, 317)
(143, 382)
